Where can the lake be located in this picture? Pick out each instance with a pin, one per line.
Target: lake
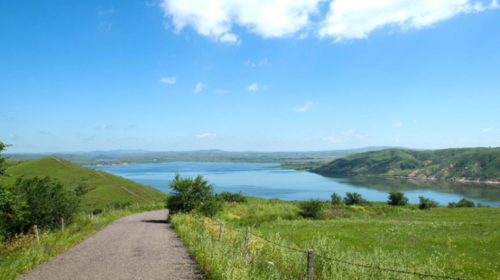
(254, 179)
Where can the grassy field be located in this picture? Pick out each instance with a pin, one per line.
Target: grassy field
(460, 243)
(101, 192)
(24, 253)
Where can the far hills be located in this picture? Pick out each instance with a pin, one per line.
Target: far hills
(466, 164)
(140, 156)
(100, 188)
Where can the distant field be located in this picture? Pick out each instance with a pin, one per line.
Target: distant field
(101, 192)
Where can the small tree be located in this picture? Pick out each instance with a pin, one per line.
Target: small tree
(47, 202)
(336, 199)
(427, 203)
(397, 199)
(464, 203)
(312, 208)
(188, 193)
(452, 205)
(230, 197)
(355, 199)
(3, 166)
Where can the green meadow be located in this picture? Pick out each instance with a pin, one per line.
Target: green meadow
(458, 243)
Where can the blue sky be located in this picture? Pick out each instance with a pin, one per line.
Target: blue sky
(296, 75)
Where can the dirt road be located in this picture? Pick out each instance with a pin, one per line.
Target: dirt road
(140, 246)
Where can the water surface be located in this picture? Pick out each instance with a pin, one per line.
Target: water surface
(254, 179)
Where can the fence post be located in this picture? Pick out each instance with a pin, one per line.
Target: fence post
(309, 264)
(202, 222)
(62, 224)
(246, 245)
(221, 230)
(36, 234)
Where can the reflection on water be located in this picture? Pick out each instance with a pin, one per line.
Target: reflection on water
(256, 180)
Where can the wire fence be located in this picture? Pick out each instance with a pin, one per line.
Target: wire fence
(309, 254)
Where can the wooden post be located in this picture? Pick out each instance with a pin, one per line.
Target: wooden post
(202, 222)
(221, 230)
(62, 224)
(309, 264)
(246, 246)
(36, 234)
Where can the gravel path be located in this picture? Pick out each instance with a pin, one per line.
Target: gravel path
(140, 246)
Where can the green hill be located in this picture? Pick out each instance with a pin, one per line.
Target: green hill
(467, 164)
(103, 188)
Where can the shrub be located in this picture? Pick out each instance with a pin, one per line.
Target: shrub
(397, 199)
(480, 205)
(464, 203)
(209, 207)
(12, 213)
(452, 205)
(355, 199)
(47, 202)
(427, 203)
(312, 208)
(336, 199)
(188, 193)
(231, 197)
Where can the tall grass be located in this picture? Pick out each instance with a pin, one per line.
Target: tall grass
(23, 252)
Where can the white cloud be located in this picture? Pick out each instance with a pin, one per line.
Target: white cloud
(230, 38)
(398, 125)
(252, 87)
(355, 19)
(199, 87)
(345, 19)
(304, 108)
(206, 136)
(488, 129)
(222, 91)
(215, 18)
(11, 135)
(170, 80)
(103, 126)
(106, 12)
(263, 62)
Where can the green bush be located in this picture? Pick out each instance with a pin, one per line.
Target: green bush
(312, 208)
(452, 205)
(480, 205)
(209, 207)
(464, 203)
(12, 213)
(231, 197)
(427, 203)
(397, 199)
(47, 202)
(188, 194)
(355, 199)
(336, 199)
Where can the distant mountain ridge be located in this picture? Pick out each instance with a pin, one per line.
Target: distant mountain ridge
(466, 164)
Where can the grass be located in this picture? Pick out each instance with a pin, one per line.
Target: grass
(23, 253)
(101, 191)
(461, 243)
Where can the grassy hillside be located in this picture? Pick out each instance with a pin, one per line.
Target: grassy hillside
(467, 164)
(101, 191)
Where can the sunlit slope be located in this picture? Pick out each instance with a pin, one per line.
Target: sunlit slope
(467, 164)
(101, 190)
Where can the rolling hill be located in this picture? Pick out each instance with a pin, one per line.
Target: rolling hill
(103, 188)
(466, 164)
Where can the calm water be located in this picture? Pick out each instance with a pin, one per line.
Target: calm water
(254, 179)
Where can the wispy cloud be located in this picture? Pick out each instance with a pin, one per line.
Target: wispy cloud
(398, 125)
(488, 129)
(222, 91)
(106, 12)
(103, 126)
(105, 26)
(230, 38)
(169, 80)
(11, 136)
(262, 62)
(344, 136)
(252, 87)
(306, 107)
(199, 87)
(206, 136)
